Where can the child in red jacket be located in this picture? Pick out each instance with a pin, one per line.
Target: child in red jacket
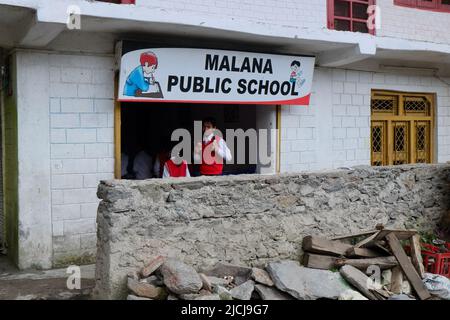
(176, 167)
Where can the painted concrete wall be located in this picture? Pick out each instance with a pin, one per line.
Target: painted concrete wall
(65, 146)
(35, 241)
(334, 131)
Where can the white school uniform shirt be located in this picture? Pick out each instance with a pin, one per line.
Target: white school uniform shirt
(143, 166)
(224, 152)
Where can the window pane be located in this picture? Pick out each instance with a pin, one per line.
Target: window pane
(342, 9)
(341, 25)
(421, 138)
(360, 11)
(377, 139)
(446, 2)
(360, 27)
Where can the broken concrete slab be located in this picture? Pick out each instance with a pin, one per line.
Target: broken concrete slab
(180, 278)
(271, 293)
(358, 279)
(243, 291)
(304, 283)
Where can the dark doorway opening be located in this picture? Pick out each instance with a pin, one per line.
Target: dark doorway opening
(149, 126)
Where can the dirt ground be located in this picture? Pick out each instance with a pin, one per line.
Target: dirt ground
(42, 285)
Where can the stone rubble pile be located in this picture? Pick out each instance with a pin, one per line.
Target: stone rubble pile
(171, 279)
(326, 273)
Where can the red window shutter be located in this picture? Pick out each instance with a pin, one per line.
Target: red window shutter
(432, 4)
(330, 14)
(408, 3)
(444, 5)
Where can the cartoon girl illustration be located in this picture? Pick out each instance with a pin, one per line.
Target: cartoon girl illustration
(141, 78)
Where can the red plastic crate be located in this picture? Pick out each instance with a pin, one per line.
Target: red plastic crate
(434, 261)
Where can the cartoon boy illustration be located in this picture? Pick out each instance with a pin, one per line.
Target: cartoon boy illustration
(296, 74)
(141, 78)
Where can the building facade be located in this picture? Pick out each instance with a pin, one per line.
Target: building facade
(380, 96)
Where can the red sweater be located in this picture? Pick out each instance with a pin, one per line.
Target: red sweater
(209, 166)
(176, 170)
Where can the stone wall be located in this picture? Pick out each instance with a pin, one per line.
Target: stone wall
(254, 219)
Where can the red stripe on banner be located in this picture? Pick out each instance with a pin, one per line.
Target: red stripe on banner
(303, 101)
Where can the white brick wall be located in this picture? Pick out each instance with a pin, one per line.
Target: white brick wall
(415, 24)
(396, 21)
(349, 123)
(298, 137)
(81, 128)
(298, 13)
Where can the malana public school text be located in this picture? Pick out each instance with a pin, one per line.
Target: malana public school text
(199, 84)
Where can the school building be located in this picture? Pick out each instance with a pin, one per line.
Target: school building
(375, 90)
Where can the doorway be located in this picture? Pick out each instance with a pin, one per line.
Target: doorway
(149, 126)
(402, 128)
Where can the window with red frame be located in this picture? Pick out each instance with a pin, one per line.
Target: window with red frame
(434, 5)
(349, 15)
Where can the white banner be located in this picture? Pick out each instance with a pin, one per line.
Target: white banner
(214, 76)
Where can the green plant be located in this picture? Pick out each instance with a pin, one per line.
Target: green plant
(427, 237)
